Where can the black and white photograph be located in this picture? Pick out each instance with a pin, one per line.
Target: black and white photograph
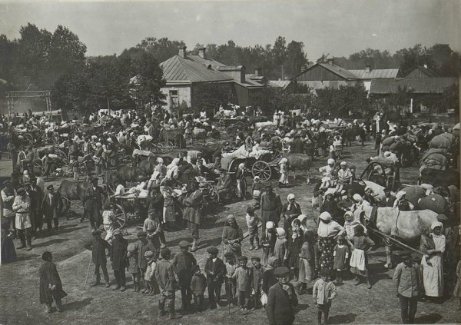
(205, 162)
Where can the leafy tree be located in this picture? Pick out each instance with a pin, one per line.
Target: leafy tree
(295, 59)
(162, 49)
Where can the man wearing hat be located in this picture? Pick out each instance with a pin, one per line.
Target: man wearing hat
(407, 283)
(215, 271)
(118, 257)
(36, 198)
(92, 204)
(167, 281)
(281, 299)
(271, 206)
(98, 254)
(51, 206)
(184, 263)
(21, 207)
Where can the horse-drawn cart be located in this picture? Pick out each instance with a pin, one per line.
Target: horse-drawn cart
(383, 172)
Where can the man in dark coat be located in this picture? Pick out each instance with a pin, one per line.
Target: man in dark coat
(50, 284)
(184, 263)
(192, 214)
(51, 207)
(98, 253)
(119, 259)
(142, 246)
(271, 206)
(92, 204)
(36, 197)
(281, 299)
(215, 271)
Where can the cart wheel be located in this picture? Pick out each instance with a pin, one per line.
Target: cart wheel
(261, 169)
(120, 216)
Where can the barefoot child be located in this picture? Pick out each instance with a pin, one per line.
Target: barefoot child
(256, 191)
(229, 282)
(268, 242)
(198, 286)
(133, 266)
(341, 254)
(149, 279)
(359, 260)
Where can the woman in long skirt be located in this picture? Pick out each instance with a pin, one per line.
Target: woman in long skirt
(433, 246)
(328, 231)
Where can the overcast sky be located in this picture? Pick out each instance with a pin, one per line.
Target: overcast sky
(338, 27)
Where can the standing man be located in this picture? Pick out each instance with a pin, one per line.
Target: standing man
(271, 206)
(118, 257)
(406, 279)
(192, 213)
(184, 263)
(281, 299)
(215, 270)
(21, 206)
(92, 204)
(51, 208)
(36, 198)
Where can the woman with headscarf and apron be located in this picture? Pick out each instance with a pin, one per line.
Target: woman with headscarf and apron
(232, 237)
(433, 246)
(327, 232)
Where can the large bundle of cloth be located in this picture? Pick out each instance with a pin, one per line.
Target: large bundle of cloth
(442, 141)
(434, 158)
(414, 193)
(433, 202)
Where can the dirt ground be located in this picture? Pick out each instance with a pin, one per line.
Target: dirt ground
(19, 295)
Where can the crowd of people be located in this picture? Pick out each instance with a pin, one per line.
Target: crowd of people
(313, 252)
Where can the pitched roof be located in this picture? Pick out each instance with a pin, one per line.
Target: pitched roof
(184, 70)
(279, 83)
(206, 61)
(421, 72)
(346, 74)
(376, 73)
(417, 86)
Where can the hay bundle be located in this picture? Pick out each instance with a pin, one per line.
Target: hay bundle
(433, 202)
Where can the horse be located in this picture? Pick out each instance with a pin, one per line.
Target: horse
(405, 225)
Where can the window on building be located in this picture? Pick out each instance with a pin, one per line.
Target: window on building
(174, 98)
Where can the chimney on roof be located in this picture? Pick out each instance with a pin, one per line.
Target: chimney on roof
(182, 51)
(368, 68)
(201, 52)
(258, 72)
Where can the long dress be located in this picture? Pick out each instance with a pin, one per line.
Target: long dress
(48, 277)
(433, 265)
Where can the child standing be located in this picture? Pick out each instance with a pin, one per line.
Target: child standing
(252, 223)
(198, 286)
(306, 263)
(281, 247)
(132, 256)
(256, 191)
(242, 276)
(324, 292)
(108, 217)
(359, 260)
(256, 281)
(149, 275)
(457, 291)
(268, 242)
(229, 281)
(341, 254)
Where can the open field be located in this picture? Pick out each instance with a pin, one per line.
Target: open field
(19, 295)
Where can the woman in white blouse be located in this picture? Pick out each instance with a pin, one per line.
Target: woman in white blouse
(327, 232)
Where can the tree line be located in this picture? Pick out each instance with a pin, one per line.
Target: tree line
(57, 61)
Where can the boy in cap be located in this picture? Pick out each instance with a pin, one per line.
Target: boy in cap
(184, 263)
(167, 281)
(256, 281)
(323, 292)
(407, 276)
(119, 259)
(50, 283)
(281, 299)
(98, 255)
(215, 271)
(242, 276)
(198, 286)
